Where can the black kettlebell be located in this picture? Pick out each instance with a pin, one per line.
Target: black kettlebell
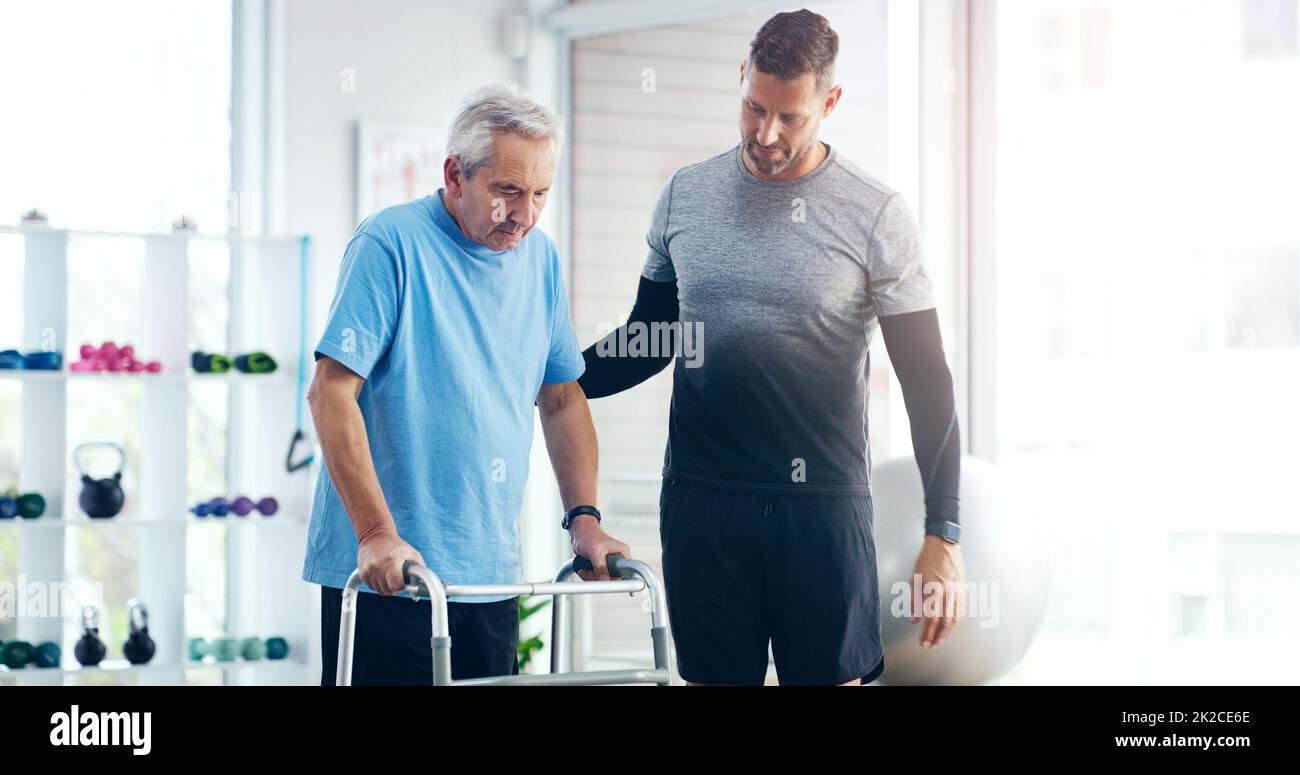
(90, 650)
(101, 498)
(139, 647)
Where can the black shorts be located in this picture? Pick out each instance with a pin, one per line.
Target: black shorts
(800, 570)
(391, 646)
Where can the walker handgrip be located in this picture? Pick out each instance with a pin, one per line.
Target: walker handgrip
(410, 580)
(611, 562)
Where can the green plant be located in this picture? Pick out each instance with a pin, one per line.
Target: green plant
(532, 645)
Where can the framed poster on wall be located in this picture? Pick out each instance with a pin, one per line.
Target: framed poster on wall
(395, 163)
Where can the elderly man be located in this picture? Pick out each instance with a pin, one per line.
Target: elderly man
(450, 321)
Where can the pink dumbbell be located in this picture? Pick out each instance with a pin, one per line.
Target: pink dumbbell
(110, 357)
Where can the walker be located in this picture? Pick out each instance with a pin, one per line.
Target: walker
(420, 581)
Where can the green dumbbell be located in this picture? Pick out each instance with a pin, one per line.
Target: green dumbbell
(197, 648)
(252, 649)
(277, 648)
(225, 649)
(210, 363)
(31, 505)
(17, 654)
(255, 363)
(47, 655)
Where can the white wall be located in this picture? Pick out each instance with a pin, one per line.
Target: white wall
(413, 61)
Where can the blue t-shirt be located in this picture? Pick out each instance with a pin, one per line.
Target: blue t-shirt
(454, 341)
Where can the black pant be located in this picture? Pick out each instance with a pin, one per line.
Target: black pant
(799, 571)
(391, 646)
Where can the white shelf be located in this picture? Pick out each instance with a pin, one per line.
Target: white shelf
(121, 666)
(278, 377)
(245, 523)
(32, 375)
(243, 664)
(107, 666)
(178, 235)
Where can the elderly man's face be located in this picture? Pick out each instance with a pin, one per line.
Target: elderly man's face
(502, 201)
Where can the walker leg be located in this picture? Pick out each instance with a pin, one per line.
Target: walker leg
(441, 661)
(347, 631)
(659, 636)
(561, 656)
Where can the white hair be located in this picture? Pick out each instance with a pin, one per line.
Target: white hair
(495, 109)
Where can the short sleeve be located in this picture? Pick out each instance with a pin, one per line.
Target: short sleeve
(363, 317)
(659, 263)
(896, 267)
(564, 362)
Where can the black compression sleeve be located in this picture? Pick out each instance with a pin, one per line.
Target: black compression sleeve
(610, 369)
(916, 350)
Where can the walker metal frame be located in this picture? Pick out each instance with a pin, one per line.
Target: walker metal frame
(422, 582)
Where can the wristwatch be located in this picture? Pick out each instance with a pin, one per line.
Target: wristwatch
(946, 529)
(578, 511)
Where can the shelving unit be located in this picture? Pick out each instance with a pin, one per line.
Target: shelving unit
(264, 594)
(275, 378)
(121, 666)
(244, 523)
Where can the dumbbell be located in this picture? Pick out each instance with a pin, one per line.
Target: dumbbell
(90, 650)
(210, 363)
(47, 655)
(252, 649)
(110, 357)
(217, 507)
(277, 648)
(31, 505)
(17, 653)
(255, 363)
(197, 648)
(43, 361)
(28, 506)
(243, 506)
(225, 649)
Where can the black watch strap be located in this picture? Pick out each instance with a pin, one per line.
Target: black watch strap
(578, 511)
(946, 529)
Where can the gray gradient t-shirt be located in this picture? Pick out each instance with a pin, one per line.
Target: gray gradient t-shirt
(788, 279)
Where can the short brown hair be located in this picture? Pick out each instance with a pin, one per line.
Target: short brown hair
(793, 43)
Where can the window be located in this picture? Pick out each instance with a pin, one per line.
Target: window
(1148, 336)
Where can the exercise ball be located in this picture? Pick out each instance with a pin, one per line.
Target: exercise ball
(1007, 576)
